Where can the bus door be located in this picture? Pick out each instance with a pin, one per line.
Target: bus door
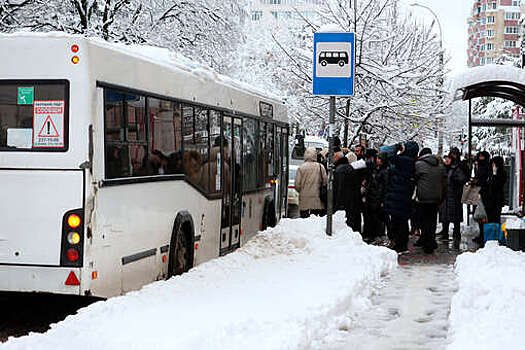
(232, 180)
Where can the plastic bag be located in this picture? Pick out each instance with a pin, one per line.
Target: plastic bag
(470, 194)
(480, 214)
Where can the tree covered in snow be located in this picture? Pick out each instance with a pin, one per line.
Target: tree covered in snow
(398, 71)
(205, 30)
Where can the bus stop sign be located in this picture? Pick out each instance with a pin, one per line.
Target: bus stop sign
(334, 64)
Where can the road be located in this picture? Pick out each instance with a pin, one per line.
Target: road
(24, 313)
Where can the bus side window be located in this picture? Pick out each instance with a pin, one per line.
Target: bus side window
(165, 144)
(250, 154)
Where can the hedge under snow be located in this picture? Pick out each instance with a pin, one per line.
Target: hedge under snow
(291, 287)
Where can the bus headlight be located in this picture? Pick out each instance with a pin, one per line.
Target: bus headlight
(73, 238)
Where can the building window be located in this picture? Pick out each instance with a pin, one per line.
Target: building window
(491, 19)
(490, 33)
(512, 30)
(490, 47)
(257, 15)
(516, 3)
(512, 16)
(492, 5)
(510, 43)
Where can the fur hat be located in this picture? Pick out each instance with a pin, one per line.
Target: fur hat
(351, 157)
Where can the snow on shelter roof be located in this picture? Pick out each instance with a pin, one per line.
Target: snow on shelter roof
(158, 55)
(491, 80)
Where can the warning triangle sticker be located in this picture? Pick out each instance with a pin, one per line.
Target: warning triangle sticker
(48, 129)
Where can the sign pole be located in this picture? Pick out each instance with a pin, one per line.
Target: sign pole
(333, 75)
(330, 187)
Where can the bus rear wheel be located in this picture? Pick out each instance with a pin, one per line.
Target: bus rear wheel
(180, 254)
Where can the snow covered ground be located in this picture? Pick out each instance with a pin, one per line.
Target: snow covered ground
(489, 308)
(291, 287)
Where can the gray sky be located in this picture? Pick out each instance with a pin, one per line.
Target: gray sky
(453, 17)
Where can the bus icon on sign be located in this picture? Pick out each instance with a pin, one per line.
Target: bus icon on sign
(333, 57)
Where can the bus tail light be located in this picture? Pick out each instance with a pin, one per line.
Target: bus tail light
(73, 220)
(75, 48)
(72, 280)
(72, 254)
(72, 247)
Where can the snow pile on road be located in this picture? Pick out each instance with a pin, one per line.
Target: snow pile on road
(489, 308)
(291, 287)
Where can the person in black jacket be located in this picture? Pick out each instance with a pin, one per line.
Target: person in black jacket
(431, 180)
(494, 198)
(481, 176)
(347, 189)
(400, 190)
(373, 190)
(452, 210)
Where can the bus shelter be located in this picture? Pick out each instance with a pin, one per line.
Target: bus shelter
(505, 82)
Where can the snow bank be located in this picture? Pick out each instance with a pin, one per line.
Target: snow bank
(288, 288)
(489, 309)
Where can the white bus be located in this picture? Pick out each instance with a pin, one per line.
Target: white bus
(124, 165)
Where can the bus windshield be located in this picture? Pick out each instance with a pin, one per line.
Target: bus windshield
(33, 115)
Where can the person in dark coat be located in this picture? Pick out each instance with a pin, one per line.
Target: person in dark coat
(481, 177)
(347, 188)
(374, 197)
(452, 210)
(431, 180)
(494, 198)
(400, 190)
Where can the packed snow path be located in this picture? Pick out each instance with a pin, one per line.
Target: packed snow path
(411, 307)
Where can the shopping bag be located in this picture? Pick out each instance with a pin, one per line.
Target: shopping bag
(480, 214)
(470, 194)
(493, 232)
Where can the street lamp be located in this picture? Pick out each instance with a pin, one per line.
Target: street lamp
(441, 64)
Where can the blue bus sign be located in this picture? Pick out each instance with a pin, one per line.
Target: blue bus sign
(334, 64)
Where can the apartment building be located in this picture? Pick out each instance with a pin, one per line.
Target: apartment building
(283, 10)
(494, 31)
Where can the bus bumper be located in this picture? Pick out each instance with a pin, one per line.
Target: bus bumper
(37, 279)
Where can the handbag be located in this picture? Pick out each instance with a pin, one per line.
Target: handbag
(323, 189)
(480, 214)
(470, 194)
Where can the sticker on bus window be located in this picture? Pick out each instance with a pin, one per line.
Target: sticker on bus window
(25, 95)
(48, 124)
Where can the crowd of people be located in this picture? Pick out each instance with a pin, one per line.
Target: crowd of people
(394, 191)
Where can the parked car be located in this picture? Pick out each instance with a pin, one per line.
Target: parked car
(298, 148)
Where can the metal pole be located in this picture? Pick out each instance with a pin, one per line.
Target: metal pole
(470, 164)
(330, 187)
